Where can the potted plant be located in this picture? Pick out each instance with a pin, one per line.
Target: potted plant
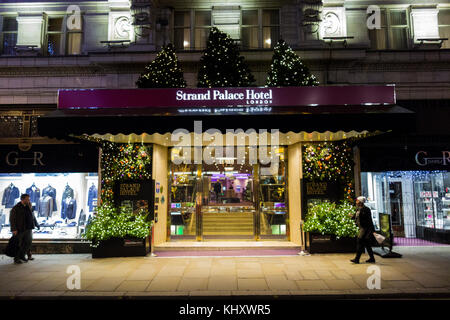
(330, 228)
(117, 232)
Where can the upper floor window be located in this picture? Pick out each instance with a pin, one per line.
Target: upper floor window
(9, 35)
(202, 26)
(444, 27)
(62, 40)
(270, 27)
(250, 29)
(182, 30)
(55, 36)
(394, 31)
(259, 28)
(74, 38)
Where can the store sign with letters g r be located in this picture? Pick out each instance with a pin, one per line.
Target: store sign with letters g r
(422, 159)
(13, 158)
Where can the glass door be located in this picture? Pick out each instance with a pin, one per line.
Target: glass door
(228, 209)
(183, 190)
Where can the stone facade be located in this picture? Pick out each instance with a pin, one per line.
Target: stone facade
(119, 37)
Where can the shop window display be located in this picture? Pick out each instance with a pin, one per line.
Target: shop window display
(62, 202)
(412, 198)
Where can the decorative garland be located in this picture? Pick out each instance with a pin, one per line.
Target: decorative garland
(330, 161)
(123, 161)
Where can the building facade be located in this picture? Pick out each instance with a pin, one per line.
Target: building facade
(53, 45)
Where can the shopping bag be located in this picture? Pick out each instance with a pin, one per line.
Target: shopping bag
(13, 247)
(379, 238)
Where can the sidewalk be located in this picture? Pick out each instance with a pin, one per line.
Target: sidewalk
(421, 273)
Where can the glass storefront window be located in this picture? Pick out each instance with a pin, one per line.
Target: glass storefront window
(62, 203)
(412, 198)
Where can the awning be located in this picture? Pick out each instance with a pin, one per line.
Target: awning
(342, 121)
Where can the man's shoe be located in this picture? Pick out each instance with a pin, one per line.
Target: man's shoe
(30, 258)
(370, 261)
(17, 261)
(355, 261)
(24, 259)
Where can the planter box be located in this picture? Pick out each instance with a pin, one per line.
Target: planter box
(325, 243)
(121, 248)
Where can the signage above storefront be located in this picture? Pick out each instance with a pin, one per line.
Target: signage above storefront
(49, 158)
(226, 97)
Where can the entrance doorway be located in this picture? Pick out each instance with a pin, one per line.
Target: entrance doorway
(229, 197)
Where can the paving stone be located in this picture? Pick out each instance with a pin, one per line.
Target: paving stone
(309, 275)
(142, 275)
(249, 273)
(341, 284)
(427, 280)
(105, 284)
(196, 272)
(164, 284)
(193, 284)
(252, 284)
(280, 283)
(311, 285)
(293, 275)
(133, 285)
(171, 271)
(341, 275)
(222, 283)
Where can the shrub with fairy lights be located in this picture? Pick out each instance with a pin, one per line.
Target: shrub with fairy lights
(111, 223)
(331, 219)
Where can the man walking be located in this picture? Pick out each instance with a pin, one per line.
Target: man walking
(363, 219)
(22, 224)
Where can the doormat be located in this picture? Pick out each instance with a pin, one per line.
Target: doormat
(228, 253)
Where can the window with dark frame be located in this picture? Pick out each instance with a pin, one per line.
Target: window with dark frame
(249, 29)
(202, 26)
(54, 36)
(9, 36)
(444, 27)
(394, 31)
(74, 40)
(270, 28)
(182, 30)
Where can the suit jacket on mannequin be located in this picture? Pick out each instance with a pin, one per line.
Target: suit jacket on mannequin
(34, 193)
(91, 196)
(69, 208)
(67, 193)
(45, 206)
(10, 194)
(50, 191)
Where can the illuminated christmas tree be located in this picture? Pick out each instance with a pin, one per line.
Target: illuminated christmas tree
(287, 69)
(221, 64)
(163, 72)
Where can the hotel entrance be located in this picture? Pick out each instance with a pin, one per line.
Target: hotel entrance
(228, 197)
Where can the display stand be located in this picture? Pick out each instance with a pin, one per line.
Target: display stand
(386, 230)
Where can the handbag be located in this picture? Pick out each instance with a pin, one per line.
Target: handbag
(13, 247)
(379, 238)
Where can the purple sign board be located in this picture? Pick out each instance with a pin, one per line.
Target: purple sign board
(225, 97)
